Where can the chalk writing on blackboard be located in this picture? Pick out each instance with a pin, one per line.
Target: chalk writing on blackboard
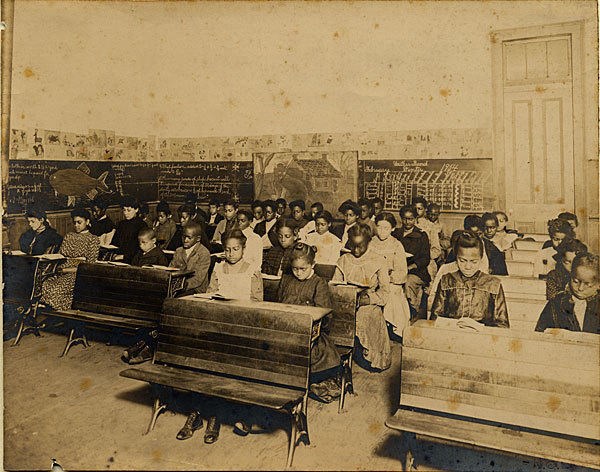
(457, 185)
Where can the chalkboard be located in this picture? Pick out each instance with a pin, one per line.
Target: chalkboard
(59, 185)
(206, 180)
(460, 185)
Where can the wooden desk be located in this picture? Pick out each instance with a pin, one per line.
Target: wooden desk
(535, 394)
(22, 276)
(255, 353)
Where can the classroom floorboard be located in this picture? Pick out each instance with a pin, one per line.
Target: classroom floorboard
(80, 411)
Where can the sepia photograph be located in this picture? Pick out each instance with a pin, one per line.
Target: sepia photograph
(298, 235)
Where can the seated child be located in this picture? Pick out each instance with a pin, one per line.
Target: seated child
(188, 213)
(351, 212)
(504, 237)
(257, 213)
(282, 209)
(149, 253)
(558, 230)
(233, 277)
(451, 266)
(315, 208)
(496, 257)
(366, 214)
(213, 217)
(102, 226)
(328, 245)
(40, 238)
(277, 259)
(126, 234)
(164, 226)
(193, 256)
(577, 308)
(415, 242)
(433, 215)
(558, 279)
(230, 208)
(253, 252)
(145, 214)
(297, 208)
(266, 228)
(396, 311)
(364, 268)
(435, 249)
(469, 292)
(306, 288)
(377, 204)
(570, 218)
(57, 290)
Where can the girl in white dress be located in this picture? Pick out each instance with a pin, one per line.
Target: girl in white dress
(396, 311)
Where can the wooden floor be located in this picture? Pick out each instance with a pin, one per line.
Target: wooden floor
(81, 412)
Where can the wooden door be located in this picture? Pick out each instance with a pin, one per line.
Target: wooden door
(537, 140)
(538, 155)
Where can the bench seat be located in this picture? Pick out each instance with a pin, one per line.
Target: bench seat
(248, 392)
(103, 319)
(496, 437)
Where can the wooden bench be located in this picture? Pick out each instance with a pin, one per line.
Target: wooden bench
(342, 332)
(122, 297)
(526, 255)
(255, 353)
(532, 394)
(522, 285)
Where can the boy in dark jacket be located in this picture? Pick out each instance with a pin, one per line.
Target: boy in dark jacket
(149, 253)
(577, 308)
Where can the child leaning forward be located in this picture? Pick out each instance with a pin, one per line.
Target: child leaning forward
(468, 292)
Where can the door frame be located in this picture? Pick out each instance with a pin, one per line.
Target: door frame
(575, 29)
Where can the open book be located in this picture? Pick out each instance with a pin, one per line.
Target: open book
(348, 282)
(53, 257)
(162, 267)
(212, 296)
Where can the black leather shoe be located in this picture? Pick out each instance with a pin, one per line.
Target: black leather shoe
(134, 350)
(143, 356)
(212, 430)
(241, 428)
(192, 423)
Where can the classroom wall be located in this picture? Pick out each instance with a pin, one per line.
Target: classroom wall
(191, 69)
(367, 73)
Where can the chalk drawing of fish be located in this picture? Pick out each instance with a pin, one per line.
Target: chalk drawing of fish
(78, 182)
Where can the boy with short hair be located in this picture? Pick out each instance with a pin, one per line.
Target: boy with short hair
(230, 208)
(266, 228)
(377, 204)
(578, 308)
(193, 256)
(297, 208)
(315, 208)
(149, 253)
(281, 207)
(257, 213)
(366, 214)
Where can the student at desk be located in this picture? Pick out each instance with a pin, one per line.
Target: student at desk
(102, 226)
(469, 293)
(164, 226)
(195, 257)
(126, 235)
(40, 238)
(364, 268)
(149, 253)
(57, 291)
(277, 259)
(236, 278)
(578, 307)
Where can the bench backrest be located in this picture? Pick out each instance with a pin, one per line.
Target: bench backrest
(325, 271)
(543, 381)
(342, 326)
(261, 341)
(130, 292)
